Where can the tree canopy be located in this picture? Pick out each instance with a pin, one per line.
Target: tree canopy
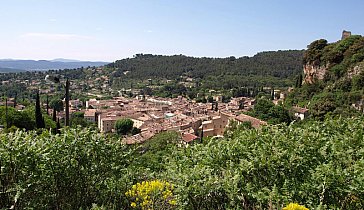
(124, 126)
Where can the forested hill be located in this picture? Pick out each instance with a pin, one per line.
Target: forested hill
(333, 78)
(275, 64)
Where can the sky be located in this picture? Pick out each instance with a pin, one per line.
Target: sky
(109, 30)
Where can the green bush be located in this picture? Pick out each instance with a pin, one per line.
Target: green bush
(316, 164)
(68, 171)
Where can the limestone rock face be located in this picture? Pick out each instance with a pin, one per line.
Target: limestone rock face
(355, 71)
(313, 73)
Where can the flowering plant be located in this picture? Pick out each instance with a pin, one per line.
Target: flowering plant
(152, 195)
(294, 206)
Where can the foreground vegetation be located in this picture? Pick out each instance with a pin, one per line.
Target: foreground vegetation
(317, 164)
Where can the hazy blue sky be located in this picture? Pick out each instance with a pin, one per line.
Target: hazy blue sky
(113, 29)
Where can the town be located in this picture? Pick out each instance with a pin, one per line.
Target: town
(101, 105)
(153, 115)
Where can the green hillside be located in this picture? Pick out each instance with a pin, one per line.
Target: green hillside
(333, 78)
(265, 68)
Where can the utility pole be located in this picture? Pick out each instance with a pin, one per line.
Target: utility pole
(67, 103)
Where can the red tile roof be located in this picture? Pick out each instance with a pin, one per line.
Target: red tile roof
(256, 123)
(188, 137)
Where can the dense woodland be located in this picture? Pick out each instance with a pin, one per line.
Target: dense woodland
(265, 68)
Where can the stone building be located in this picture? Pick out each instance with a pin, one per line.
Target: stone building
(345, 34)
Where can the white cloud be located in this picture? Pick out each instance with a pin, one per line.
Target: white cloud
(148, 31)
(53, 20)
(53, 36)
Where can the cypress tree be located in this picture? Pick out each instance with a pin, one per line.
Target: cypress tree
(299, 81)
(241, 105)
(58, 127)
(201, 135)
(15, 100)
(47, 105)
(54, 116)
(296, 85)
(39, 122)
(43, 122)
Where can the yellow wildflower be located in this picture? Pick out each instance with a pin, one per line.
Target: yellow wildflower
(172, 202)
(294, 206)
(150, 193)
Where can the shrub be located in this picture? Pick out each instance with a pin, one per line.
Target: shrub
(152, 195)
(294, 206)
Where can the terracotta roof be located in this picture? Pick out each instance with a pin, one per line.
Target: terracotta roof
(188, 137)
(90, 113)
(299, 109)
(256, 123)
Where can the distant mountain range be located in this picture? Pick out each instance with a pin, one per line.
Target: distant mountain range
(10, 65)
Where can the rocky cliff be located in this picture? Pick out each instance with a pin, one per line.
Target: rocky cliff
(333, 61)
(313, 73)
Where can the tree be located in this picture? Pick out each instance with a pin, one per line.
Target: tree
(16, 118)
(54, 115)
(39, 121)
(322, 104)
(278, 114)
(47, 105)
(299, 81)
(314, 51)
(358, 81)
(135, 130)
(78, 119)
(124, 126)
(241, 104)
(262, 107)
(58, 128)
(56, 104)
